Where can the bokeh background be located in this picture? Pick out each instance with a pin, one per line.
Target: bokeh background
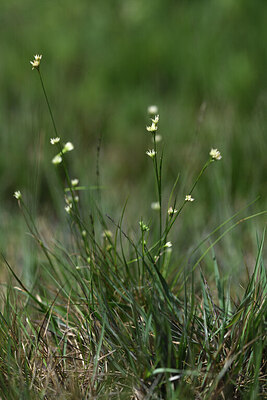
(104, 62)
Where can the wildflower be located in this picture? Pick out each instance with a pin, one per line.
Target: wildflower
(215, 154)
(155, 206)
(54, 140)
(152, 128)
(168, 244)
(68, 147)
(76, 199)
(74, 182)
(153, 110)
(36, 62)
(172, 211)
(17, 194)
(84, 233)
(68, 208)
(188, 197)
(151, 153)
(143, 226)
(57, 159)
(158, 138)
(155, 120)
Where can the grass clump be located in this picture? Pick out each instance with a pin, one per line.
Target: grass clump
(111, 314)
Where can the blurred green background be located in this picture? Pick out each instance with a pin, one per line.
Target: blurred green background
(104, 62)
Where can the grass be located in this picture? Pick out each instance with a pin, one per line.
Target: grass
(113, 311)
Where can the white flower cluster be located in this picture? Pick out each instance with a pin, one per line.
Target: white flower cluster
(154, 124)
(172, 211)
(54, 140)
(17, 194)
(36, 62)
(151, 153)
(215, 154)
(188, 197)
(67, 147)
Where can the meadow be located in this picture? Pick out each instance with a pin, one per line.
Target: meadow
(133, 200)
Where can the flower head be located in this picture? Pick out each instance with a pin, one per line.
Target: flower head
(155, 120)
(158, 138)
(17, 194)
(36, 62)
(153, 110)
(68, 147)
(151, 153)
(152, 128)
(168, 244)
(155, 206)
(74, 182)
(215, 154)
(68, 208)
(188, 197)
(172, 211)
(57, 159)
(54, 140)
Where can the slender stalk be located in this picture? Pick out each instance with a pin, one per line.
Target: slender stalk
(47, 102)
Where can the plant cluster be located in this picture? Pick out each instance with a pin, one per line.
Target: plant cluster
(113, 316)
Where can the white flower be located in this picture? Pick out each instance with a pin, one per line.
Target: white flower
(76, 199)
(68, 208)
(155, 206)
(168, 244)
(74, 182)
(172, 211)
(17, 194)
(152, 128)
(54, 140)
(36, 62)
(153, 110)
(84, 233)
(188, 197)
(158, 138)
(215, 154)
(68, 147)
(155, 120)
(57, 159)
(151, 153)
